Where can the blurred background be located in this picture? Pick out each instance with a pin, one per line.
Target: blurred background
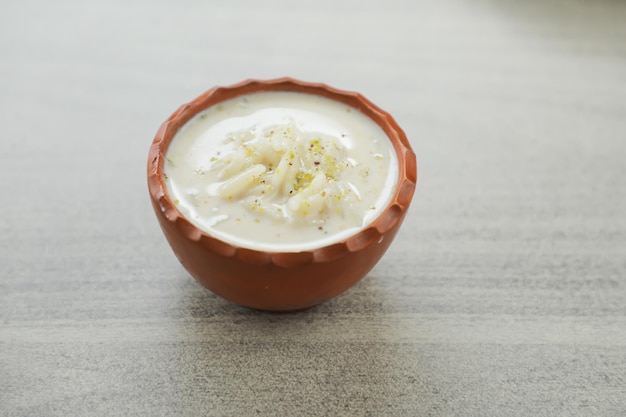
(504, 293)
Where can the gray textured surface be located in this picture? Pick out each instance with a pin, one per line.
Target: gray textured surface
(504, 294)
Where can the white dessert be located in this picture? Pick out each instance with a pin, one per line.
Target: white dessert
(281, 171)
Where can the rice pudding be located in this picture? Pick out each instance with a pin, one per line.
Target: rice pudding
(280, 171)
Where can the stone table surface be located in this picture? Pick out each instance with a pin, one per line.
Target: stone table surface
(504, 293)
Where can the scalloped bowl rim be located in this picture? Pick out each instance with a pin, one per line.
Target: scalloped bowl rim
(373, 232)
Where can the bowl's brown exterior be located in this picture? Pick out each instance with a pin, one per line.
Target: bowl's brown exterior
(279, 281)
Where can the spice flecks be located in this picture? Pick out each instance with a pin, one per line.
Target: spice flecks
(288, 173)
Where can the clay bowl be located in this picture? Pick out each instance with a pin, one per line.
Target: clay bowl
(279, 281)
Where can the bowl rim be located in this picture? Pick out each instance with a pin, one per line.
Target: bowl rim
(387, 219)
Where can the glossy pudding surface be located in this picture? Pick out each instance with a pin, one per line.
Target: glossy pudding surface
(280, 171)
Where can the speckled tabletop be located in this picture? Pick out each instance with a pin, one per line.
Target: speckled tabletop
(504, 293)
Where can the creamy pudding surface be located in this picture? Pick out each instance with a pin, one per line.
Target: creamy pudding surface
(280, 171)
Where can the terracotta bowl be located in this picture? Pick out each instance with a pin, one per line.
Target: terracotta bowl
(279, 281)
